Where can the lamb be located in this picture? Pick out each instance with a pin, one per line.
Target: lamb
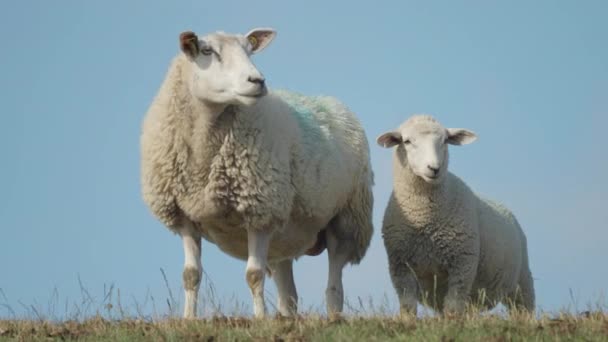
(267, 177)
(446, 246)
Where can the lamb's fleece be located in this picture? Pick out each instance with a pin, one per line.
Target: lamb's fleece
(290, 164)
(443, 240)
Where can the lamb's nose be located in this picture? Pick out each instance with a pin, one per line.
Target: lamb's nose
(434, 169)
(257, 80)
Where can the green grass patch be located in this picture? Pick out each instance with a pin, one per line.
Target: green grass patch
(585, 327)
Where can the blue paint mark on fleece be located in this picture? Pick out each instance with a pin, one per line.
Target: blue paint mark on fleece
(305, 110)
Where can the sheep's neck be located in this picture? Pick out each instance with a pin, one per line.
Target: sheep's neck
(206, 136)
(203, 126)
(423, 202)
(413, 184)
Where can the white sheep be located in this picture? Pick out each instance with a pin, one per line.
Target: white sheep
(266, 177)
(446, 246)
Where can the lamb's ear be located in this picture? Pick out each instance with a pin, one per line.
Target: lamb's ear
(460, 136)
(389, 139)
(188, 42)
(259, 38)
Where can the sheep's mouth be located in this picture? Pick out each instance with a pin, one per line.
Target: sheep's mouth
(431, 179)
(256, 95)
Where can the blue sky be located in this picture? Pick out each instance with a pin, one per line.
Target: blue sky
(530, 78)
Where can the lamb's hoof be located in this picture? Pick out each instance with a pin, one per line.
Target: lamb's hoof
(335, 317)
(407, 316)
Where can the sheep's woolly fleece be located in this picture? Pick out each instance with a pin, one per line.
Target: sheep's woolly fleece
(289, 163)
(443, 240)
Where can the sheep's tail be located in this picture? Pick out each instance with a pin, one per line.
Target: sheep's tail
(354, 222)
(362, 211)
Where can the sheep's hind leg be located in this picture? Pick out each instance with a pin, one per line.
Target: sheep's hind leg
(257, 262)
(339, 254)
(288, 296)
(192, 270)
(522, 299)
(526, 299)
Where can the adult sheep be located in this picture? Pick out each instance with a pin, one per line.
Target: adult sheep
(266, 177)
(446, 246)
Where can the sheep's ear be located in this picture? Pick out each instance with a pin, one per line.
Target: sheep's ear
(389, 139)
(460, 136)
(259, 38)
(188, 42)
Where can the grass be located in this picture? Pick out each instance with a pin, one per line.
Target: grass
(586, 327)
(110, 317)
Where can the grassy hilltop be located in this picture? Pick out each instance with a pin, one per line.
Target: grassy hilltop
(586, 327)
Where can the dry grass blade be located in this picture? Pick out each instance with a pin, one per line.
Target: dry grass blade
(592, 326)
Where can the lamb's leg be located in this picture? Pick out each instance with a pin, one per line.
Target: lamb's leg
(257, 262)
(460, 283)
(526, 283)
(192, 270)
(523, 297)
(406, 285)
(288, 296)
(338, 254)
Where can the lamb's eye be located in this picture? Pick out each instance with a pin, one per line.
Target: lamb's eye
(207, 51)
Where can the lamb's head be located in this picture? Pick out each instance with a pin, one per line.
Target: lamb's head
(422, 145)
(222, 71)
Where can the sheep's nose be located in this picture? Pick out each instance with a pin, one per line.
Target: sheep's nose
(257, 80)
(434, 169)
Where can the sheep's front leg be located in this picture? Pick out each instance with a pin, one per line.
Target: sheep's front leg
(257, 262)
(192, 270)
(406, 286)
(460, 283)
(288, 296)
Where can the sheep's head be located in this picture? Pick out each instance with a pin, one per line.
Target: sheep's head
(422, 145)
(222, 71)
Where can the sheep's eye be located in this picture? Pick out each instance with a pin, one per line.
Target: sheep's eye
(406, 142)
(207, 51)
